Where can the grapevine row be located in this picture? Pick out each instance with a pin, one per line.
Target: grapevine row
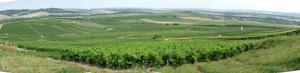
(155, 54)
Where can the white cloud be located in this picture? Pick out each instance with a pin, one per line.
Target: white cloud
(3, 1)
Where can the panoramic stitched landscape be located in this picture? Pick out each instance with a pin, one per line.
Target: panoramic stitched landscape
(143, 40)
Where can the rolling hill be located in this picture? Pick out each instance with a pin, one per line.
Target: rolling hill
(29, 13)
(3, 17)
(130, 39)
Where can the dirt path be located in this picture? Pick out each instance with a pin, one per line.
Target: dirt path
(189, 28)
(126, 36)
(109, 29)
(1, 26)
(183, 38)
(61, 28)
(164, 22)
(21, 38)
(36, 31)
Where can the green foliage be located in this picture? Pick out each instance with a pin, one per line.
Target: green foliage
(175, 24)
(260, 36)
(155, 54)
(281, 55)
(70, 70)
(103, 47)
(156, 37)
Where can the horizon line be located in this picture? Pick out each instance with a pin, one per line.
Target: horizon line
(212, 9)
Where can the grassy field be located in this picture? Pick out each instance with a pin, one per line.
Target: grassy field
(273, 55)
(40, 62)
(112, 33)
(279, 54)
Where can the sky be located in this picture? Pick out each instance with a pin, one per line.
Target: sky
(266, 5)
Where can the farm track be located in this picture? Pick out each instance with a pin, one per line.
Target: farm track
(163, 22)
(182, 38)
(36, 31)
(189, 28)
(126, 36)
(61, 28)
(21, 38)
(1, 26)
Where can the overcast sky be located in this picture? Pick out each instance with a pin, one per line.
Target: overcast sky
(268, 5)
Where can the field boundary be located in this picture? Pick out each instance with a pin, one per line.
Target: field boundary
(162, 22)
(36, 31)
(1, 26)
(189, 28)
(61, 28)
(78, 30)
(126, 36)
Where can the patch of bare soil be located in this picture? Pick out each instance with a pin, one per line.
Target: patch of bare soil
(4, 16)
(104, 11)
(35, 14)
(1, 26)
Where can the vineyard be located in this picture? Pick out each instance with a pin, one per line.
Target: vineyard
(122, 41)
(156, 54)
